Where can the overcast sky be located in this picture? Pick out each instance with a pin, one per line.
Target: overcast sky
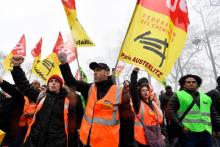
(105, 21)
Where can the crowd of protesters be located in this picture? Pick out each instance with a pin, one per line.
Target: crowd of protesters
(131, 115)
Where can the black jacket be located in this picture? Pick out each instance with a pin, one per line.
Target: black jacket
(11, 110)
(135, 94)
(102, 88)
(164, 99)
(174, 105)
(48, 129)
(215, 98)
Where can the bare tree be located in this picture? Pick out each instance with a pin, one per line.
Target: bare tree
(209, 32)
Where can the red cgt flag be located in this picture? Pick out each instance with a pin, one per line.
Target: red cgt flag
(175, 9)
(67, 47)
(69, 4)
(70, 49)
(20, 48)
(58, 44)
(36, 51)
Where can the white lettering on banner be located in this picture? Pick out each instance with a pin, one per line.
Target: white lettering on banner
(68, 49)
(182, 5)
(19, 49)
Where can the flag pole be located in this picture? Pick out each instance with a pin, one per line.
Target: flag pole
(126, 34)
(30, 75)
(77, 59)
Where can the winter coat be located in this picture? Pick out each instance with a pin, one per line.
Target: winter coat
(10, 112)
(102, 88)
(174, 105)
(215, 96)
(48, 129)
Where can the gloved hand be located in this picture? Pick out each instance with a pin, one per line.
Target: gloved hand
(62, 57)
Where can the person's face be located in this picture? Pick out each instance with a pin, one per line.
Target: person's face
(169, 90)
(190, 84)
(54, 85)
(100, 74)
(126, 84)
(35, 84)
(144, 92)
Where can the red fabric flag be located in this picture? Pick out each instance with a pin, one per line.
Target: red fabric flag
(70, 49)
(175, 9)
(67, 47)
(36, 51)
(20, 48)
(69, 4)
(58, 44)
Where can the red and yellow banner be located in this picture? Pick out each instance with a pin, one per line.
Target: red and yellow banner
(156, 36)
(77, 31)
(68, 48)
(50, 65)
(19, 49)
(36, 53)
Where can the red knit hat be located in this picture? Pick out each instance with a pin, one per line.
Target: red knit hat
(58, 78)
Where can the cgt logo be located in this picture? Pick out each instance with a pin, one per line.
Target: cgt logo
(173, 7)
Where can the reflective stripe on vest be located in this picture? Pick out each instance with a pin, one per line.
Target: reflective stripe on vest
(104, 121)
(197, 121)
(198, 118)
(101, 118)
(195, 112)
(138, 123)
(39, 106)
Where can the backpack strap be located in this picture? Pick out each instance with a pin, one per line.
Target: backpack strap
(187, 110)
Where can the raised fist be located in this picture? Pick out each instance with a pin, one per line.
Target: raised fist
(62, 57)
(17, 60)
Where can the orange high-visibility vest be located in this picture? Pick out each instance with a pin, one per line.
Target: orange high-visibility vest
(101, 118)
(29, 108)
(149, 117)
(39, 106)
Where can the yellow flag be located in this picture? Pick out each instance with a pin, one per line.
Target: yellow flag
(7, 64)
(2, 136)
(36, 61)
(48, 67)
(156, 36)
(77, 30)
(19, 49)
